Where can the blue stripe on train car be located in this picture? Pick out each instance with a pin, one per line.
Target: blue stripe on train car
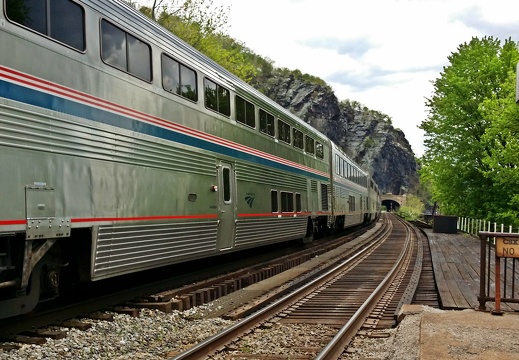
(40, 99)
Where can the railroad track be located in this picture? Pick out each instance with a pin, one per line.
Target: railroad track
(358, 291)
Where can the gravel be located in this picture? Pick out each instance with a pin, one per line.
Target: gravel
(152, 336)
(155, 335)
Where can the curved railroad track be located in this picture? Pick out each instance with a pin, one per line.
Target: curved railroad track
(370, 282)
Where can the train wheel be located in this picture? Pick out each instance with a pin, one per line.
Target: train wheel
(49, 276)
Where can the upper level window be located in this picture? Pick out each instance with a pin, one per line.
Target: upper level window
(309, 144)
(284, 131)
(245, 113)
(62, 20)
(125, 52)
(298, 139)
(266, 123)
(217, 97)
(179, 79)
(319, 150)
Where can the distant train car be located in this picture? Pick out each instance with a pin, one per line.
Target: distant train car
(352, 203)
(124, 149)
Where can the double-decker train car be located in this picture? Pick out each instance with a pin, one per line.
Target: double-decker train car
(124, 149)
(355, 196)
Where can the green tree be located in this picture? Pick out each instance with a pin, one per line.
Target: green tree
(203, 26)
(453, 161)
(413, 208)
(501, 141)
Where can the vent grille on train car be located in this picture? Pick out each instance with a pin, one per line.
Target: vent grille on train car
(324, 197)
(313, 186)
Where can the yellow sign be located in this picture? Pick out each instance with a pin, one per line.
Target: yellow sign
(507, 247)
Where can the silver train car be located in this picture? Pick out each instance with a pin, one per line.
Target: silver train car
(124, 149)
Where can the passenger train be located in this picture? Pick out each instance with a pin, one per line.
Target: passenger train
(124, 149)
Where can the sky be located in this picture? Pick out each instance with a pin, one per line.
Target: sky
(384, 54)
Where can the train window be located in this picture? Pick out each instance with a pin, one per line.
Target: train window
(284, 131)
(178, 79)
(298, 139)
(337, 164)
(299, 208)
(245, 113)
(217, 98)
(125, 52)
(319, 150)
(139, 59)
(226, 185)
(274, 201)
(309, 145)
(352, 203)
(266, 123)
(62, 20)
(287, 201)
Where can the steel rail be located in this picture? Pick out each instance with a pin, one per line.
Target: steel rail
(219, 340)
(336, 346)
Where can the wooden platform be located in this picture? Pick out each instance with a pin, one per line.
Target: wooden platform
(456, 263)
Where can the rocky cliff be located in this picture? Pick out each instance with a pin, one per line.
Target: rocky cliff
(367, 136)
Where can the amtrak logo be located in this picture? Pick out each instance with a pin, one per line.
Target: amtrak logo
(249, 198)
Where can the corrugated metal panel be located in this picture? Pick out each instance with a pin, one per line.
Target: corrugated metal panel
(256, 232)
(313, 186)
(269, 176)
(25, 129)
(324, 197)
(123, 249)
(353, 220)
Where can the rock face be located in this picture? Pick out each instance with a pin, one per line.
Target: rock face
(367, 136)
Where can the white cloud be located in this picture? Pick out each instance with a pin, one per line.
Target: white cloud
(382, 53)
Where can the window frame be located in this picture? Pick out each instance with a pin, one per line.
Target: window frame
(219, 89)
(274, 207)
(287, 199)
(127, 53)
(319, 150)
(299, 204)
(49, 25)
(181, 66)
(307, 149)
(284, 125)
(294, 137)
(268, 116)
(238, 98)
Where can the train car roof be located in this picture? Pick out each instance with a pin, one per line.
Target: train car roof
(141, 25)
(335, 148)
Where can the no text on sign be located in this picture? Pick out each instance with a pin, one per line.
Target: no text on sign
(507, 247)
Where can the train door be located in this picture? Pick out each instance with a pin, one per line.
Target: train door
(226, 206)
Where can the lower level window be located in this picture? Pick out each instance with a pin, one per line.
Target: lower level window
(287, 201)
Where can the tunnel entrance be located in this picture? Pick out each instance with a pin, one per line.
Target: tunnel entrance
(391, 205)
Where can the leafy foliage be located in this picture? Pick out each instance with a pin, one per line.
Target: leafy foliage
(460, 130)
(413, 208)
(203, 26)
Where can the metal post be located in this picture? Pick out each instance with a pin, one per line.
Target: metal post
(482, 270)
(497, 310)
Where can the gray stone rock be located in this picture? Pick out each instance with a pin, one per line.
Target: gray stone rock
(366, 135)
